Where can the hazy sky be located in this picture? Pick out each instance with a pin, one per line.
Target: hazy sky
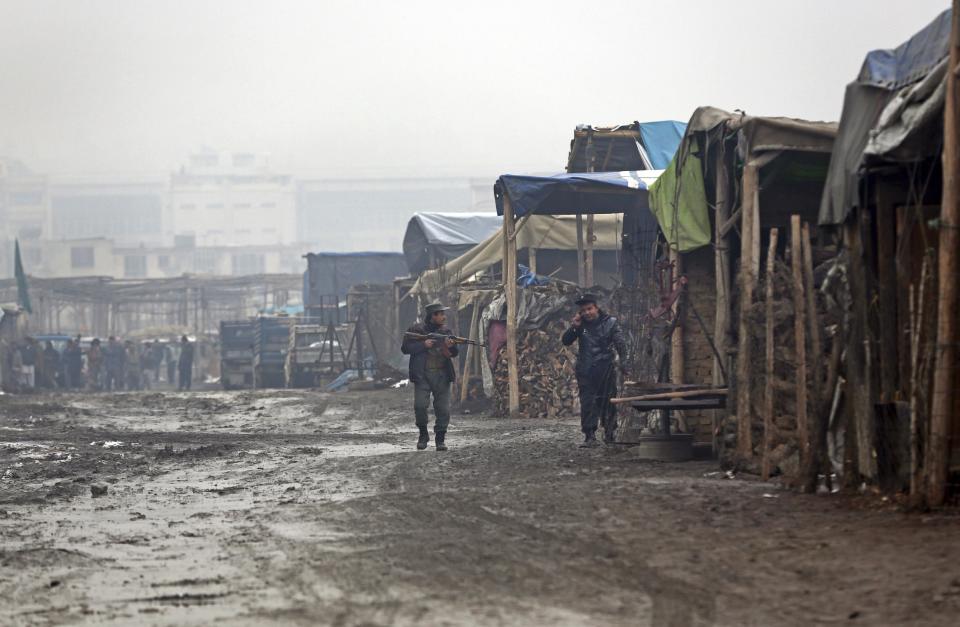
(407, 87)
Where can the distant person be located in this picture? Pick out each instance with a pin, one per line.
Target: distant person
(185, 364)
(51, 366)
(598, 335)
(156, 359)
(95, 360)
(131, 366)
(114, 358)
(72, 365)
(28, 353)
(171, 365)
(431, 372)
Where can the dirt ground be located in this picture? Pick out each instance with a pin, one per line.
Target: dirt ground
(292, 507)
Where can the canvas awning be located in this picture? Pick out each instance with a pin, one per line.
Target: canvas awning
(570, 194)
(435, 238)
(882, 101)
(536, 231)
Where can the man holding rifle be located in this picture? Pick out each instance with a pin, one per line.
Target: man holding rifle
(431, 347)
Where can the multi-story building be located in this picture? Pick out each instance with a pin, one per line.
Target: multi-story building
(23, 213)
(349, 215)
(128, 211)
(222, 199)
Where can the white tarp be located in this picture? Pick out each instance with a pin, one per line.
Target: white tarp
(535, 231)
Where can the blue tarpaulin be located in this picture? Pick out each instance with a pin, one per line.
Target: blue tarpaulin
(911, 60)
(661, 140)
(567, 194)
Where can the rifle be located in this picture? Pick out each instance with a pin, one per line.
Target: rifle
(441, 338)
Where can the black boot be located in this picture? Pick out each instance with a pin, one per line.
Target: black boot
(609, 436)
(440, 436)
(589, 440)
(424, 439)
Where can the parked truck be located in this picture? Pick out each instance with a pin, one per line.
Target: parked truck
(271, 342)
(302, 367)
(236, 354)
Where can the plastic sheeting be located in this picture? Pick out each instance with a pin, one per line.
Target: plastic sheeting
(911, 60)
(433, 238)
(661, 140)
(865, 109)
(910, 127)
(570, 194)
(542, 232)
(679, 202)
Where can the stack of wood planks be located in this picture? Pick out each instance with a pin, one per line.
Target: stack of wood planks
(548, 384)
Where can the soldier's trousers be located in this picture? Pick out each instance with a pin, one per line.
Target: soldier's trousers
(595, 406)
(435, 383)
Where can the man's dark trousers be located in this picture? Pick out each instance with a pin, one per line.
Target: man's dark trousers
(186, 376)
(437, 383)
(595, 406)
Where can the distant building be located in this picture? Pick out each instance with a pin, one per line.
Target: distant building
(349, 215)
(23, 213)
(233, 199)
(127, 211)
(101, 257)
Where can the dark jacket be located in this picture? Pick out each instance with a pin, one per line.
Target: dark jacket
(418, 351)
(598, 339)
(186, 356)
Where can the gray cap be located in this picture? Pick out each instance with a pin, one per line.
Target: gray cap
(433, 308)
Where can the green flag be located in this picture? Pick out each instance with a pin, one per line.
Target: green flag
(23, 292)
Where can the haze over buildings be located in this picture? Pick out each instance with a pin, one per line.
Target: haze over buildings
(329, 124)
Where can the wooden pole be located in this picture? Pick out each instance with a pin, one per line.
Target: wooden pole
(588, 243)
(468, 360)
(588, 253)
(749, 215)
(532, 258)
(581, 269)
(676, 338)
(917, 323)
(510, 289)
(818, 434)
(721, 329)
(938, 451)
(768, 396)
(800, 336)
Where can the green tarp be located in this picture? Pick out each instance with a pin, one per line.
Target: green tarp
(682, 213)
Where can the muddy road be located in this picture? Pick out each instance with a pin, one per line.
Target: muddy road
(301, 508)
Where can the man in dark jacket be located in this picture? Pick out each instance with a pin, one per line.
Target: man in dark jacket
(431, 372)
(185, 363)
(599, 335)
(115, 359)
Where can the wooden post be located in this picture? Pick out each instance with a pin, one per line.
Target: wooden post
(468, 359)
(749, 216)
(721, 262)
(532, 258)
(768, 396)
(800, 336)
(917, 371)
(676, 339)
(588, 254)
(938, 451)
(588, 243)
(581, 269)
(510, 289)
(821, 422)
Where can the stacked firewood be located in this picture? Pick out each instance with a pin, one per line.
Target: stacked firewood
(548, 384)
